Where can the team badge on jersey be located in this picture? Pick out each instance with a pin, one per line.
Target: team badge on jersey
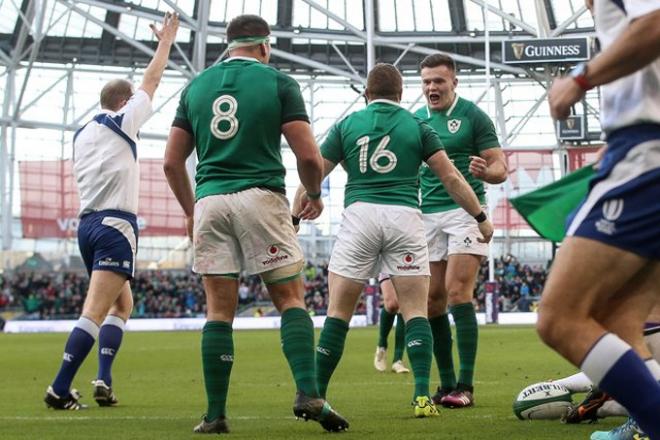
(453, 125)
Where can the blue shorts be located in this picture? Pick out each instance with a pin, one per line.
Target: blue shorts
(622, 208)
(108, 241)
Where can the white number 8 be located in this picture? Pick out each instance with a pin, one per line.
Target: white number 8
(228, 115)
(379, 152)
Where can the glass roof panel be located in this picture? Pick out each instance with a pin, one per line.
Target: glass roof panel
(225, 10)
(63, 22)
(8, 16)
(414, 15)
(306, 16)
(564, 9)
(522, 10)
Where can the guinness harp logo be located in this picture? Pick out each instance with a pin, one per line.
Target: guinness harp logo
(518, 49)
(570, 123)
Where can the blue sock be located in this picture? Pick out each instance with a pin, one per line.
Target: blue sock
(618, 370)
(80, 342)
(110, 336)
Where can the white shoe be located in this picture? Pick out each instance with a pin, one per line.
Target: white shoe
(399, 368)
(380, 359)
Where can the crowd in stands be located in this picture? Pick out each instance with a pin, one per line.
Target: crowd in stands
(176, 294)
(518, 286)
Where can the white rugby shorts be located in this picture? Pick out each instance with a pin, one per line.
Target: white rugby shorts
(249, 230)
(453, 232)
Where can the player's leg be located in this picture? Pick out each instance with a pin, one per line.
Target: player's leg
(405, 256)
(110, 338)
(297, 335)
(388, 313)
(218, 346)
(296, 329)
(353, 260)
(460, 279)
(108, 242)
(399, 346)
(274, 253)
(104, 288)
(412, 292)
(585, 274)
(217, 257)
(344, 294)
(437, 305)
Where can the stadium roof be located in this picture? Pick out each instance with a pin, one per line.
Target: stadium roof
(337, 37)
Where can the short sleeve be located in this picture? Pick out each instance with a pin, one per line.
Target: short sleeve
(181, 118)
(331, 149)
(293, 105)
(485, 136)
(135, 113)
(431, 142)
(638, 8)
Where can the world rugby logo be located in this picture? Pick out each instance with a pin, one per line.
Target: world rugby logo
(612, 209)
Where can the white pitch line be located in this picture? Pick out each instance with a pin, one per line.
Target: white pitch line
(67, 418)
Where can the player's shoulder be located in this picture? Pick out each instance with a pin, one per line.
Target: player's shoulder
(421, 112)
(470, 108)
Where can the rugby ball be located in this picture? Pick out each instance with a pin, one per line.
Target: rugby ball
(543, 400)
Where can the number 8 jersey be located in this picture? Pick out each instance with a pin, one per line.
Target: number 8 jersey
(382, 148)
(235, 111)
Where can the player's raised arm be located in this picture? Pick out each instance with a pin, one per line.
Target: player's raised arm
(166, 35)
(460, 191)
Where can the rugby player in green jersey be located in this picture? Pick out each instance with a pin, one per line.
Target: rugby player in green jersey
(454, 251)
(233, 115)
(382, 148)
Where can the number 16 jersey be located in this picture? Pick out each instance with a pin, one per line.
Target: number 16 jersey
(235, 111)
(382, 148)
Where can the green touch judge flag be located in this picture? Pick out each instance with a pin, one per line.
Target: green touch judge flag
(546, 208)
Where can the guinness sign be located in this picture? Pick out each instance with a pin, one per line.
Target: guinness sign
(551, 50)
(572, 129)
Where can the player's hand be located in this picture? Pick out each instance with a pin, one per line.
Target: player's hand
(563, 94)
(311, 209)
(167, 32)
(296, 223)
(486, 228)
(190, 222)
(478, 167)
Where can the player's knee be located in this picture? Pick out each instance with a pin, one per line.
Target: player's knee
(391, 305)
(283, 274)
(437, 306)
(549, 328)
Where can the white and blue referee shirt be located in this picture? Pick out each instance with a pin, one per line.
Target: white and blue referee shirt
(633, 99)
(105, 157)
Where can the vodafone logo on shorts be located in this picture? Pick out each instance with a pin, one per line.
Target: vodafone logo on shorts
(273, 251)
(408, 262)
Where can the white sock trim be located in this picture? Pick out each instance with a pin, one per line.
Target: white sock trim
(114, 320)
(654, 368)
(88, 326)
(602, 357)
(577, 383)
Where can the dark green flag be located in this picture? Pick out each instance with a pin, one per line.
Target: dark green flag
(546, 208)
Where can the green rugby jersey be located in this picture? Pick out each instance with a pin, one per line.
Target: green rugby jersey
(465, 130)
(382, 148)
(235, 111)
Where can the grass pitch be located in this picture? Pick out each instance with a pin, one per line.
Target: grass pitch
(158, 379)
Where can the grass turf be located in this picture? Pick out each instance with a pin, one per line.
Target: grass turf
(158, 380)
